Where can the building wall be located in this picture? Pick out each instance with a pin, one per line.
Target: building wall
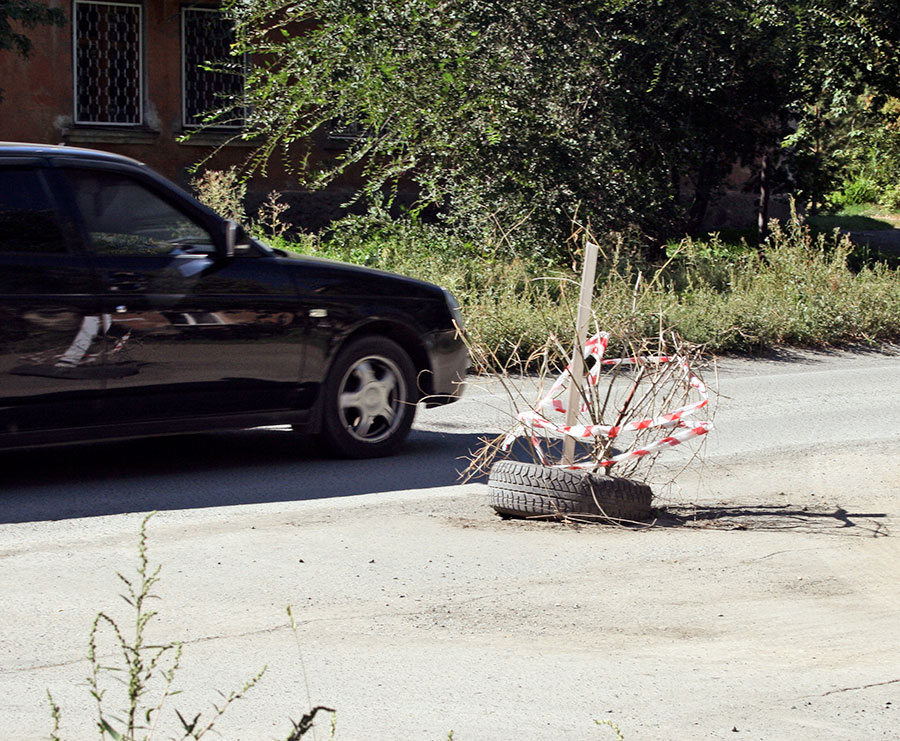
(39, 106)
(36, 90)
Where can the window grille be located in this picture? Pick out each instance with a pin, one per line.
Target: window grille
(211, 75)
(108, 73)
(341, 131)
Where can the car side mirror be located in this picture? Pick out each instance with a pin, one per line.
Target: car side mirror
(228, 244)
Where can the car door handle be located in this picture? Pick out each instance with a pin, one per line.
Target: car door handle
(127, 282)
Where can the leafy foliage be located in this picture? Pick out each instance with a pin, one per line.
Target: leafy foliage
(516, 117)
(855, 146)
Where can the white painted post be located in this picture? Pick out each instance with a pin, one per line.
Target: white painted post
(588, 271)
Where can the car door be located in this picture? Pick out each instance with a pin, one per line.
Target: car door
(51, 371)
(188, 333)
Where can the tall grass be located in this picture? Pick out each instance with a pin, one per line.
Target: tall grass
(798, 289)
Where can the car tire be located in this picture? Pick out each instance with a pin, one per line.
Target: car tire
(530, 490)
(369, 399)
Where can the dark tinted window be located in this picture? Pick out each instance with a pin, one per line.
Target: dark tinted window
(28, 221)
(123, 217)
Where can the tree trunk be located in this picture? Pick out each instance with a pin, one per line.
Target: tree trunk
(762, 222)
(702, 192)
(817, 181)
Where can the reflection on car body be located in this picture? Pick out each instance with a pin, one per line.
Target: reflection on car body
(128, 308)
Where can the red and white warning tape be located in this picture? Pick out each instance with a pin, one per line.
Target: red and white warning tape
(595, 348)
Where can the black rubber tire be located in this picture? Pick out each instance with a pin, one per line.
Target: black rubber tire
(390, 373)
(529, 490)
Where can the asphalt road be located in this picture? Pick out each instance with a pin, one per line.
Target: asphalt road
(764, 605)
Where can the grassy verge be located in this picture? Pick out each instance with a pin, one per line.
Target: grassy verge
(800, 289)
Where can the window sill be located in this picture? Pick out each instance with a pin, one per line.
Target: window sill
(220, 138)
(342, 142)
(109, 135)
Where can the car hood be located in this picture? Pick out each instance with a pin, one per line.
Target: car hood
(328, 277)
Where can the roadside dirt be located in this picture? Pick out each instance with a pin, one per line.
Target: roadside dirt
(762, 604)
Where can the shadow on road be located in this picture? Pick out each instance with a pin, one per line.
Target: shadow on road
(774, 517)
(212, 470)
(885, 241)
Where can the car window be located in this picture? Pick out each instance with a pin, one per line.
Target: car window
(123, 217)
(28, 221)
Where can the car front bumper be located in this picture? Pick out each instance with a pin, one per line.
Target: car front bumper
(449, 363)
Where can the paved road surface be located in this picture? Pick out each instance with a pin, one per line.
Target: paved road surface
(763, 606)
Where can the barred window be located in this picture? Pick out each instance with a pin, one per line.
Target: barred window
(108, 74)
(211, 75)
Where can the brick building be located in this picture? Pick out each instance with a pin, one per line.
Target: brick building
(126, 76)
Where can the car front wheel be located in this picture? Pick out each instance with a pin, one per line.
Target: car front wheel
(370, 399)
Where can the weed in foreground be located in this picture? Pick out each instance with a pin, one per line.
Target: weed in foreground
(143, 664)
(140, 674)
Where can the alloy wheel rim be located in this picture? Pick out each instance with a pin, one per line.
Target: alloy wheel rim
(370, 397)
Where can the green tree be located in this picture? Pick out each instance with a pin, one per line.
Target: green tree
(843, 120)
(629, 113)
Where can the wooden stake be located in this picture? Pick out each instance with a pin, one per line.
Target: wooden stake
(588, 271)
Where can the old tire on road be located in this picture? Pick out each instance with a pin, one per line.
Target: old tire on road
(530, 490)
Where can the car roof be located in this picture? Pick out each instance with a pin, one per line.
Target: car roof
(25, 149)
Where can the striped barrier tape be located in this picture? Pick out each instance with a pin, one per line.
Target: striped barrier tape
(595, 348)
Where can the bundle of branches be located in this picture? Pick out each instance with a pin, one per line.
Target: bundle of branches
(632, 405)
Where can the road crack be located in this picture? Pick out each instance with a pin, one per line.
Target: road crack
(861, 687)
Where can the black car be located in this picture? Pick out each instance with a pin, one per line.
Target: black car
(127, 308)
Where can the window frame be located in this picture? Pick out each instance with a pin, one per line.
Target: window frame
(185, 114)
(140, 61)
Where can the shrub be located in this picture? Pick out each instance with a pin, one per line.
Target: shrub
(796, 289)
(223, 191)
(860, 190)
(890, 198)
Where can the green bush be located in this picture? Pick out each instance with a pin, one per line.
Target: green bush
(797, 289)
(890, 198)
(858, 191)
